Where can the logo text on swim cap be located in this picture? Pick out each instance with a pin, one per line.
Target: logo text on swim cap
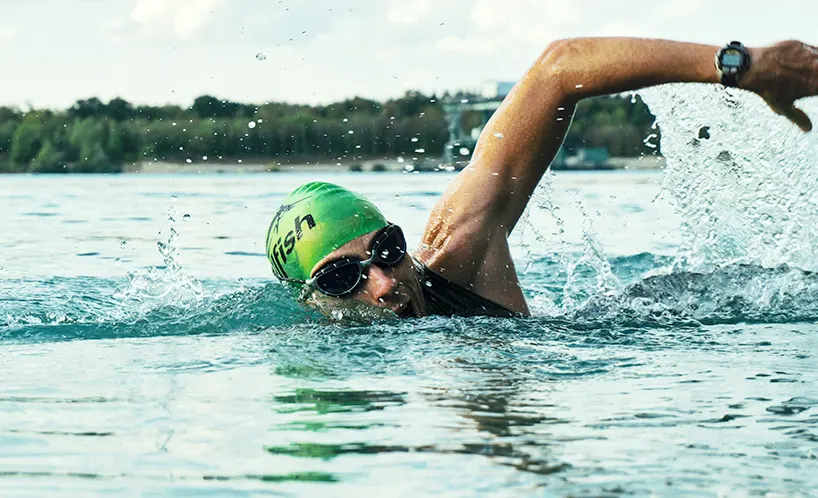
(284, 246)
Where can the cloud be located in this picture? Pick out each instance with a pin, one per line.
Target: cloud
(7, 34)
(513, 25)
(320, 51)
(680, 9)
(472, 45)
(529, 21)
(408, 12)
(183, 18)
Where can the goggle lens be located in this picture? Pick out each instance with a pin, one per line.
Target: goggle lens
(342, 276)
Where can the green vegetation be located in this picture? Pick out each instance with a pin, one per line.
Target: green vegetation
(94, 137)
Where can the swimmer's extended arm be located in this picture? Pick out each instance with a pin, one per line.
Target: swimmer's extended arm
(525, 133)
(484, 202)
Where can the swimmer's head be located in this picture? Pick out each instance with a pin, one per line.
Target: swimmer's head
(319, 223)
(313, 221)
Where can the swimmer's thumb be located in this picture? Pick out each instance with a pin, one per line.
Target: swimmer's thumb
(792, 113)
(798, 117)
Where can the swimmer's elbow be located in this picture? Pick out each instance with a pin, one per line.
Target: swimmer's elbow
(556, 63)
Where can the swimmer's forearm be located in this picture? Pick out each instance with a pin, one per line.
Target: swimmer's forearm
(588, 67)
(524, 134)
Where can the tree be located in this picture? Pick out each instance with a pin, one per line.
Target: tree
(207, 106)
(94, 160)
(26, 142)
(94, 137)
(119, 109)
(87, 108)
(48, 160)
(7, 129)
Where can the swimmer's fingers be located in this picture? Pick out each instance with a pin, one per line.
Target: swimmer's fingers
(798, 117)
(782, 74)
(792, 113)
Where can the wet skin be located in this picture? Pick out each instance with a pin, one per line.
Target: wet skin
(466, 237)
(396, 289)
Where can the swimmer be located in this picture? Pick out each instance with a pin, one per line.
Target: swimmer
(340, 251)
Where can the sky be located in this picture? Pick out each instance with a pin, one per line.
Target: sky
(53, 52)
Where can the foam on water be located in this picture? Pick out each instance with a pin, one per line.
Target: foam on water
(743, 180)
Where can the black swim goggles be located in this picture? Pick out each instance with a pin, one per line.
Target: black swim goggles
(340, 277)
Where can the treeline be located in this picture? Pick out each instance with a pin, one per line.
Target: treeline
(93, 136)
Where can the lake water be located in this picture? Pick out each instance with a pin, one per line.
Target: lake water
(146, 349)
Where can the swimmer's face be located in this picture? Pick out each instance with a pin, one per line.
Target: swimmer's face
(396, 289)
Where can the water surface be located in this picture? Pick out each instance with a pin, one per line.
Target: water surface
(147, 351)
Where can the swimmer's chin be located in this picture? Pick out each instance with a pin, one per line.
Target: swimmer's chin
(355, 311)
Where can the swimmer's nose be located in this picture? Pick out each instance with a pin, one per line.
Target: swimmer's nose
(380, 285)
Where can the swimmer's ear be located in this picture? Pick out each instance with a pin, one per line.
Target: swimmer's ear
(307, 296)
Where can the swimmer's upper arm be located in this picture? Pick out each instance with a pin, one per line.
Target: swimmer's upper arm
(525, 133)
(512, 154)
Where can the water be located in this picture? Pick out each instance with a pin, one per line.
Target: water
(146, 350)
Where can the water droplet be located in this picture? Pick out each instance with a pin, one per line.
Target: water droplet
(260, 56)
(251, 124)
(409, 167)
(633, 97)
(464, 151)
(420, 151)
(428, 283)
(351, 132)
(400, 159)
(579, 86)
(647, 140)
(414, 139)
(345, 120)
(498, 135)
(464, 101)
(204, 158)
(188, 160)
(186, 217)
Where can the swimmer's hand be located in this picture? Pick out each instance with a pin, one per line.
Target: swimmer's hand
(783, 73)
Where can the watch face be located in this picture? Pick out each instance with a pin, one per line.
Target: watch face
(731, 58)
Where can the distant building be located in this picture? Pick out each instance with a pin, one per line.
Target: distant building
(462, 141)
(497, 89)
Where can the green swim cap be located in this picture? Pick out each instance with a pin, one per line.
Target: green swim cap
(314, 220)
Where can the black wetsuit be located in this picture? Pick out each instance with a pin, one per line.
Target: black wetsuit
(444, 297)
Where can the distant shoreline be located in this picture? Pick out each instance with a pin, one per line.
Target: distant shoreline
(370, 165)
(256, 165)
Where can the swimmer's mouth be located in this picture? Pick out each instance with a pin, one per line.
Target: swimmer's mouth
(407, 312)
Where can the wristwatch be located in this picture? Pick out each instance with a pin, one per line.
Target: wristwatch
(732, 62)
